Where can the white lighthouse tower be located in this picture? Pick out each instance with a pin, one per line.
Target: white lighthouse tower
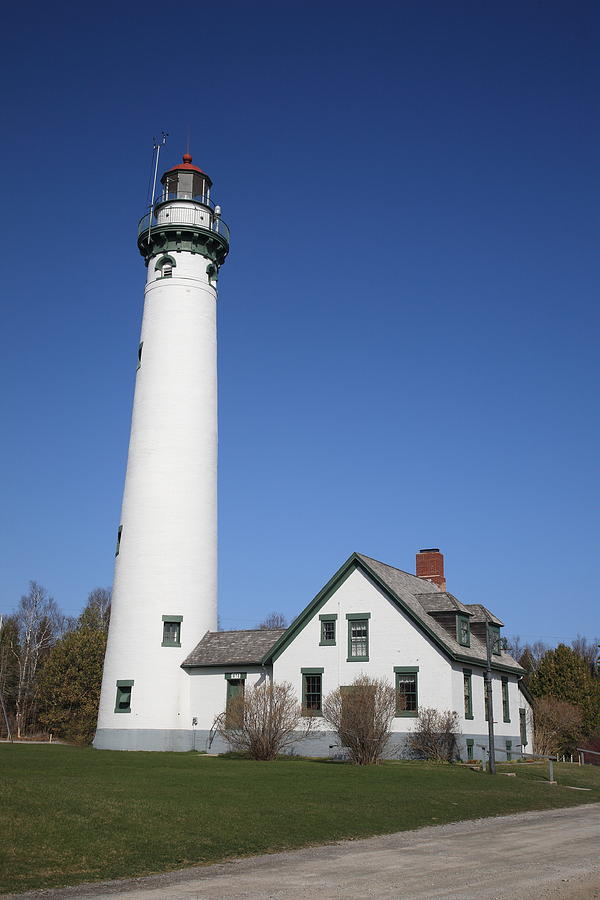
(165, 586)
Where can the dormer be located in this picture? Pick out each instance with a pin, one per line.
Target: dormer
(481, 620)
(451, 614)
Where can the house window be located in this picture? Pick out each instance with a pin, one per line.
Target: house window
(468, 693)
(234, 709)
(470, 748)
(171, 631)
(358, 636)
(509, 751)
(312, 691)
(328, 625)
(494, 631)
(523, 726)
(463, 631)
(123, 701)
(119, 533)
(505, 701)
(407, 700)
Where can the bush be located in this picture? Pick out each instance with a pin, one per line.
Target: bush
(263, 721)
(362, 714)
(434, 735)
(557, 726)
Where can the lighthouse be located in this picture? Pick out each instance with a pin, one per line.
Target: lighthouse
(165, 583)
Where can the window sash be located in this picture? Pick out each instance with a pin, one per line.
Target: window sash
(312, 694)
(505, 701)
(407, 701)
(468, 694)
(463, 631)
(358, 632)
(328, 631)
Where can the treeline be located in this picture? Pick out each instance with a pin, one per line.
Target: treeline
(51, 667)
(564, 682)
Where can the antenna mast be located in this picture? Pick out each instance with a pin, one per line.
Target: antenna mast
(158, 143)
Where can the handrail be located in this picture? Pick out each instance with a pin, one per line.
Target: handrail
(216, 225)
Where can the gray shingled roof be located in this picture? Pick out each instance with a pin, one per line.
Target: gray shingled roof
(481, 613)
(233, 648)
(409, 589)
(442, 602)
(420, 597)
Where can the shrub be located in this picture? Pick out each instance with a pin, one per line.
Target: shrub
(434, 735)
(263, 721)
(362, 714)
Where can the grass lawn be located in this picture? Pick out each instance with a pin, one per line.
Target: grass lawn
(69, 814)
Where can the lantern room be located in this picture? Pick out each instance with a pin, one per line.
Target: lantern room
(185, 182)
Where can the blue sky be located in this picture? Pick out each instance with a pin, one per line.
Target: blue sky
(408, 318)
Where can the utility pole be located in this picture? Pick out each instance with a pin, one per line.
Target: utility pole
(489, 702)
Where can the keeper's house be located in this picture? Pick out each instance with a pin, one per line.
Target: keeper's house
(373, 619)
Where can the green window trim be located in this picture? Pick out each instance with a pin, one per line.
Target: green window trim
(312, 687)
(468, 692)
(470, 748)
(123, 698)
(355, 639)
(463, 630)
(328, 626)
(505, 700)
(408, 676)
(508, 751)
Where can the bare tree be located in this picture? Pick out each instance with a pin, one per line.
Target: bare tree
(39, 624)
(588, 651)
(361, 714)
(273, 620)
(557, 725)
(264, 720)
(96, 613)
(435, 735)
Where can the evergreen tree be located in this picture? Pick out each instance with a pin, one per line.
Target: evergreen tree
(71, 678)
(562, 673)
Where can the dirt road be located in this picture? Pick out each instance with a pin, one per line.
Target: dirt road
(531, 856)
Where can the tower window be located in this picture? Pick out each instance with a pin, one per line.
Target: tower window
(119, 533)
(140, 348)
(172, 631)
(123, 701)
(164, 267)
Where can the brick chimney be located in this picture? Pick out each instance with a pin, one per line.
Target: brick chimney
(430, 566)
